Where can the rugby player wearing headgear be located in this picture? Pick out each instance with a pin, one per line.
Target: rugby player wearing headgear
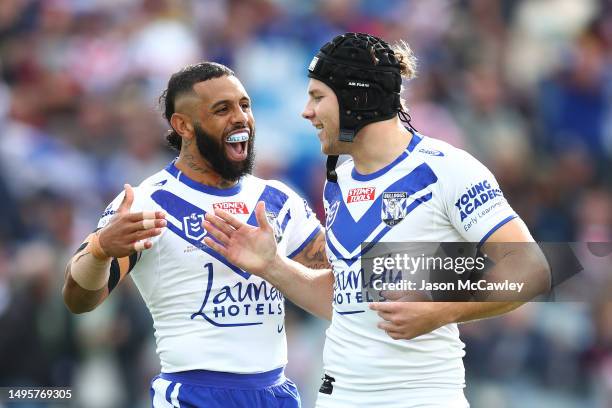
(399, 186)
(219, 331)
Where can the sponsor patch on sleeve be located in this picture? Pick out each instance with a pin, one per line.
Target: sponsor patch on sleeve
(477, 196)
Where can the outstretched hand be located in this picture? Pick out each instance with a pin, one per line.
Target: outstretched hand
(128, 232)
(250, 248)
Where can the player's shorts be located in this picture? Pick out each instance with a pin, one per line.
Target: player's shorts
(404, 398)
(213, 389)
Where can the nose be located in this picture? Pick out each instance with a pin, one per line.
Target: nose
(240, 117)
(308, 112)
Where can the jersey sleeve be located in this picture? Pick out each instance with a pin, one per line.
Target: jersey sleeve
(303, 226)
(110, 210)
(475, 204)
(137, 205)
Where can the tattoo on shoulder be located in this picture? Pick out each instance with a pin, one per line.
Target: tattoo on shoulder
(314, 255)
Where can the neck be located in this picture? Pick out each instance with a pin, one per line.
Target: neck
(378, 144)
(196, 168)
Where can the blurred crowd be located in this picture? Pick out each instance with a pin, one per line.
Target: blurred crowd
(524, 85)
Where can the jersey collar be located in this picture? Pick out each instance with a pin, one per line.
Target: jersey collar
(414, 141)
(177, 174)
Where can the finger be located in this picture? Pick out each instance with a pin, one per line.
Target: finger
(145, 220)
(144, 234)
(385, 315)
(216, 233)
(142, 245)
(386, 326)
(230, 219)
(147, 224)
(215, 246)
(395, 335)
(387, 307)
(146, 215)
(260, 215)
(219, 224)
(128, 199)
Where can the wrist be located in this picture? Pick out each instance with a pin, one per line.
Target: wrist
(452, 313)
(95, 248)
(268, 270)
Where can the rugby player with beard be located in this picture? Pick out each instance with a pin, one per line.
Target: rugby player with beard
(219, 330)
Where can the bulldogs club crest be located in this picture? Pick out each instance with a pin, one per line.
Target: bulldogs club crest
(393, 208)
(192, 225)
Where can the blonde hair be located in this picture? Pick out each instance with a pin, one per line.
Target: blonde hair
(408, 64)
(406, 58)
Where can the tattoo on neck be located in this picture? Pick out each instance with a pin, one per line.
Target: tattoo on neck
(190, 162)
(225, 184)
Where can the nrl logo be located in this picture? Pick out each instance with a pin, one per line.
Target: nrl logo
(276, 227)
(192, 225)
(393, 208)
(330, 214)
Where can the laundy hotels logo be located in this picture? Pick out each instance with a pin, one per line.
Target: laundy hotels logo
(360, 194)
(232, 207)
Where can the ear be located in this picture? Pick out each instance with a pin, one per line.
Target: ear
(182, 124)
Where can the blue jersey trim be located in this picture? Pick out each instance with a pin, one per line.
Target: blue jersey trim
(180, 176)
(367, 177)
(414, 141)
(351, 312)
(169, 391)
(205, 378)
(495, 228)
(350, 233)
(308, 240)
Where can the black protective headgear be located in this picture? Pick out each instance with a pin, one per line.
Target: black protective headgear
(364, 73)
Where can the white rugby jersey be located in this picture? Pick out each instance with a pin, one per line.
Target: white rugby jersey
(207, 313)
(432, 192)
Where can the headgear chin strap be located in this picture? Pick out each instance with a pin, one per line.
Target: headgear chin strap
(364, 73)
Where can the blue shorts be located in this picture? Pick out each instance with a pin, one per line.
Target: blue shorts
(213, 389)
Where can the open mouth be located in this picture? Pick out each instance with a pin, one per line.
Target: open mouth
(238, 145)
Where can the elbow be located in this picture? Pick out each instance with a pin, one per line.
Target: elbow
(541, 275)
(71, 300)
(545, 274)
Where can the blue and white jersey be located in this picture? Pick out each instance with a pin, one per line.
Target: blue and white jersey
(207, 313)
(432, 192)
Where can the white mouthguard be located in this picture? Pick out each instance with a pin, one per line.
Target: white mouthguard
(237, 137)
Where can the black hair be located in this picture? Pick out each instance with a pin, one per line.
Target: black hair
(182, 82)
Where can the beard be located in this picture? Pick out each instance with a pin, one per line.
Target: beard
(214, 152)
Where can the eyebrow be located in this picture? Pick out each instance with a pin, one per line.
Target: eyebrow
(313, 91)
(228, 101)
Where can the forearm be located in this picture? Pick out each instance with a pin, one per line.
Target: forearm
(310, 289)
(520, 263)
(468, 311)
(79, 300)
(86, 279)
